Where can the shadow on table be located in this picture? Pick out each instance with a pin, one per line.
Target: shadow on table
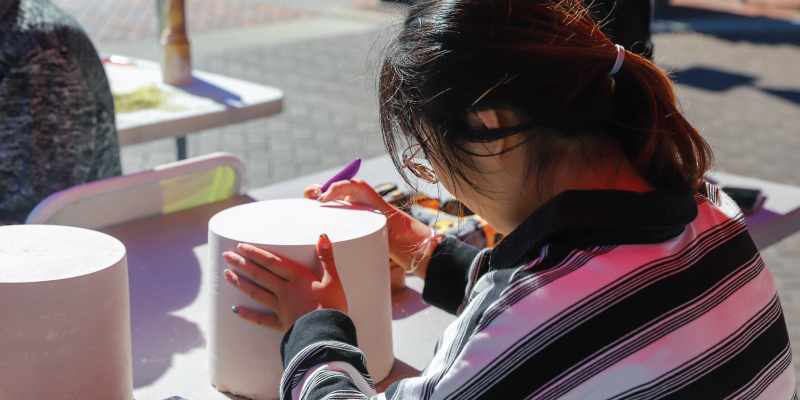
(201, 88)
(164, 277)
(761, 216)
(406, 303)
(155, 340)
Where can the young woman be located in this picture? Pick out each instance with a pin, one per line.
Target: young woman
(623, 275)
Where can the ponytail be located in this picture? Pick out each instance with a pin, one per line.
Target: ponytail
(662, 145)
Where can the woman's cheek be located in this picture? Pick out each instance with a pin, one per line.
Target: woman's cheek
(444, 177)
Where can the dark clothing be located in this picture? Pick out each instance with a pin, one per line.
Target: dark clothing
(599, 294)
(57, 127)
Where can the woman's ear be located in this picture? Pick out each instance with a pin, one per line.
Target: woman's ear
(489, 118)
(492, 118)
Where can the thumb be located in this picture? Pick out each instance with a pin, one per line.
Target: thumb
(325, 255)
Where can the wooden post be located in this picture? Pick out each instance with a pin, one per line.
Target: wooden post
(176, 57)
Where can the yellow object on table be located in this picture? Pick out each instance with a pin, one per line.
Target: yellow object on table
(150, 96)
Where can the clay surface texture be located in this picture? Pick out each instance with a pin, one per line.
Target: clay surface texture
(64, 314)
(244, 359)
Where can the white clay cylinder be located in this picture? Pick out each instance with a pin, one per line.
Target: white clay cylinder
(64, 315)
(244, 359)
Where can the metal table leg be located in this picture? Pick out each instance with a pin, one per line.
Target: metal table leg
(180, 143)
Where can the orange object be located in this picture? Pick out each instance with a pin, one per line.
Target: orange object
(426, 201)
(455, 207)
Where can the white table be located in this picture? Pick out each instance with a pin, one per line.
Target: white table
(210, 101)
(778, 217)
(167, 260)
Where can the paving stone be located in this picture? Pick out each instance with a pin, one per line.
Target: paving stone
(117, 21)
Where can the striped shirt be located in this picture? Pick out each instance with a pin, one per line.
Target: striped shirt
(598, 295)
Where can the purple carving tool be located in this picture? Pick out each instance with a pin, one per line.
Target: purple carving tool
(347, 173)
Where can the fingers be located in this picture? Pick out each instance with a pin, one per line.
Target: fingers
(312, 192)
(355, 191)
(325, 255)
(324, 248)
(260, 295)
(266, 320)
(259, 275)
(283, 268)
(343, 189)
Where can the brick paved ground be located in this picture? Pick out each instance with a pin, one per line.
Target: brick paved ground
(322, 5)
(745, 96)
(116, 21)
(781, 9)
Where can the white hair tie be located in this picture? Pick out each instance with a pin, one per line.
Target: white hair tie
(620, 59)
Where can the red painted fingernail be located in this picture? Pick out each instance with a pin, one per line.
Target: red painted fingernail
(324, 242)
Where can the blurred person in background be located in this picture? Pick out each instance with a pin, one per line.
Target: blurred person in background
(57, 126)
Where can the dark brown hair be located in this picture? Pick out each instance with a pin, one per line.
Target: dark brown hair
(545, 58)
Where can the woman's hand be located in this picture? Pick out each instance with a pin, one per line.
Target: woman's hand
(292, 291)
(354, 191)
(405, 232)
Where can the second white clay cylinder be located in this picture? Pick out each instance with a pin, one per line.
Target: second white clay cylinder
(65, 330)
(244, 359)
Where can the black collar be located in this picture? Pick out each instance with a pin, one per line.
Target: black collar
(587, 218)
